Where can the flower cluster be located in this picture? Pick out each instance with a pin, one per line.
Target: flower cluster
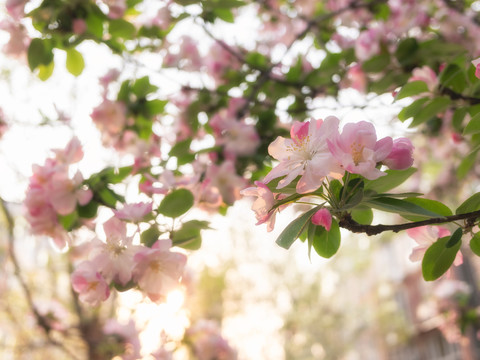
(53, 193)
(316, 152)
(117, 261)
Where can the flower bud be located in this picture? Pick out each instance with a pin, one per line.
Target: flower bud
(400, 158)
(323, 218)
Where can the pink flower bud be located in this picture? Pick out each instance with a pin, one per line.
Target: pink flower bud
(79, 26)
(323, 218)
(400, 158)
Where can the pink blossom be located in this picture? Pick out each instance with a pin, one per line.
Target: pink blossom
(65, 193)
(237, 137)
(158, 270)
(425, 236)
(16, 8)
(400, 158)
(72, 153)
(323, 218)
(110, 118)
(358, 151)
(79, 26)
(134, 212)
(19, 41)
(357, 78)
(114, 258)
(476, 63)
(262, 206)
(367, 44)
(427, 75)
(187, 57)
(306, 154)
(208, 343)
(116, 8)
(90, 284)
(226, 180)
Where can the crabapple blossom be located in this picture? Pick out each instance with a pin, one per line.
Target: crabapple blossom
(400, 158)
(208, 343)
(357, 78)
(110, 118)
(225, 179)
(368, 44)
(476, 63)
(90, 284)
(158, 270)
(15, 8)
(262, 206)
(134, 212)
(19, 41)
(114, 259)
(306, 155)
(323, 218)
(358, 151)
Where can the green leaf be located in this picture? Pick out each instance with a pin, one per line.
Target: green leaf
(362, 215)
(393, 179)
(377, 63)
(412, 88)
(181, 150)
(469, 205)
(224, 14)
(473, 126)
(475, 244)
(406, 52)
(431, 205)
(466, 164)
(401, 207)
(412, 109)
(68, 221)
(45, 71)
(150, 236)
(295, 229)
(156, 106)
(438, 258)
(121, 288)
(88, 211)
(109, 197)
(430, 110)
(39, 53)
(188, 236)
(455, 238)
(458, 117)
(176, 203)
(122, 29)
(453, 77)
(75, 63)
(94, 25)
(142, 87)
(326, 243)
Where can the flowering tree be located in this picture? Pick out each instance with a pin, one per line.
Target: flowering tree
(240, 121)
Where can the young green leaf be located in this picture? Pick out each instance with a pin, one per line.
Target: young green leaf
(393, 179)
(473, 126)
(431, 205)
(326, 243)
(75, 63)
(412, 88)
(176, 203)
(469, 205)
(362, 215)
(475, 244)
(431, 109)
(438, 258)
(295, 229)
(401, 207)
(150, 236)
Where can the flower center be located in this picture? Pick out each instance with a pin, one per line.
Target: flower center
(357, 152)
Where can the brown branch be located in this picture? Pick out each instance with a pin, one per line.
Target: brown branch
(40, 319)
(348, 223)
(457, 96)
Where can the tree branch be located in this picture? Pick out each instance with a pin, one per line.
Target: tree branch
(348, 223)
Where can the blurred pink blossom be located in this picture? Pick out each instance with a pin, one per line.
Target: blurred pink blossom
(208, 343)
(262, 206)
(158, 270)
(90, 284)
(134, 212)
